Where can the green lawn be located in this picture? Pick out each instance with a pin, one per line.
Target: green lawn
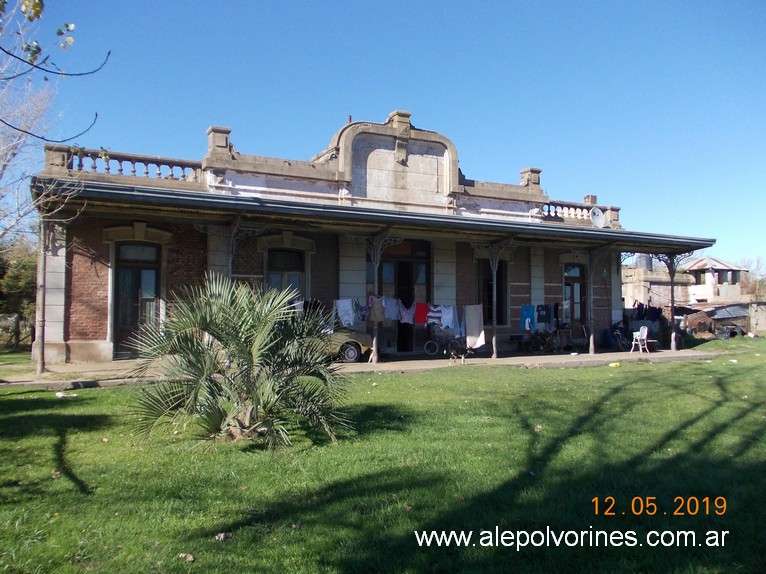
(462, 448)
(16, 362)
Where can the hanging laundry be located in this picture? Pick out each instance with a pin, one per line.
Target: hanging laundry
(406, 315)
(391, 308)
(377, 312)
(460, 329)
(434, 315)
(544, 314)
(566, 313)
(361, 310)
(527, 322)
(345, 311)
(421, 313)
(449, 317)
(474, 326)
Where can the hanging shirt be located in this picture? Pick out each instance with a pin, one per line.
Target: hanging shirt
(406, 315)
(361, 310)
(391, 308)
(421, 313)
(377, 313)
(527, 322)
(449, 317)
(543, 314)
(434, 316)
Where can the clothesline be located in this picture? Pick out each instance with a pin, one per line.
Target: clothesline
(464, 320)
(379, 309)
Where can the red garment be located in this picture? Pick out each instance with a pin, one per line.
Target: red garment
(421, 313)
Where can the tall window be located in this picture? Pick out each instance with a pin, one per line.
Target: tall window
(485, 289)
(574, 304)
(286, 269)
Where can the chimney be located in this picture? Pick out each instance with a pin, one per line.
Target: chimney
(530, 176)
(218, 141)
(590, 200)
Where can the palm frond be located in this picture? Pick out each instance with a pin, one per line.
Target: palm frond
(157, 404)
(243, 361)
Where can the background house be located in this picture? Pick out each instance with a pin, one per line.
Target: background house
(708, 293)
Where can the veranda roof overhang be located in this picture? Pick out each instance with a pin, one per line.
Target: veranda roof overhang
(206, 207)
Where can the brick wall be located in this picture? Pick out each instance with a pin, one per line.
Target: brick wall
(87, 283)
(247, 260)
(186, 257)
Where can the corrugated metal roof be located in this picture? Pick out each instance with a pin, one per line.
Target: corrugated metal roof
(735, 311)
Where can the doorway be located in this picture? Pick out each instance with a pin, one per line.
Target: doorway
(136, 293)
(403, 274)
(574, 304)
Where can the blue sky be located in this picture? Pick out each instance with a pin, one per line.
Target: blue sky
(656, 107)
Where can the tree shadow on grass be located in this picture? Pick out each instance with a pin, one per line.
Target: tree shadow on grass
(684, 468)
(369, 419)
(362, 420)
(703, 453)
(48, 418)
(335, 517)
(40, 400)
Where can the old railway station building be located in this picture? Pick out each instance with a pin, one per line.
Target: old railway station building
(383, 212)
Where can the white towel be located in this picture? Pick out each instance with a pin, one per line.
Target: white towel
(474, 326)
(345, 311)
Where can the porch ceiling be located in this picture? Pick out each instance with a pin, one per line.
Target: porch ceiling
(200, 207)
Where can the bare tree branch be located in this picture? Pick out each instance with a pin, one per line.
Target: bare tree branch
(32, 66)
(48, 140)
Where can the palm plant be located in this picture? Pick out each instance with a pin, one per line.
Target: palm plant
(243, 363)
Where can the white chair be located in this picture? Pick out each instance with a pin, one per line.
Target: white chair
(640, 340)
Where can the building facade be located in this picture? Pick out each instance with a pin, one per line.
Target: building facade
(384, 210)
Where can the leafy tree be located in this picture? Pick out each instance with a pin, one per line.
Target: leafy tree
(17, 286)
(242, 363)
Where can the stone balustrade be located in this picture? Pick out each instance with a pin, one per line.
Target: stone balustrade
(578, 213)
(92, 161)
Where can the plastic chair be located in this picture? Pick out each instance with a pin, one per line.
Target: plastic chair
(640, 340)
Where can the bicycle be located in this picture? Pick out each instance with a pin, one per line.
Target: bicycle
(442, 341)
(621, 341)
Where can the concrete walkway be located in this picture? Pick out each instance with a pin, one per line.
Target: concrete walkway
(86, 375)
